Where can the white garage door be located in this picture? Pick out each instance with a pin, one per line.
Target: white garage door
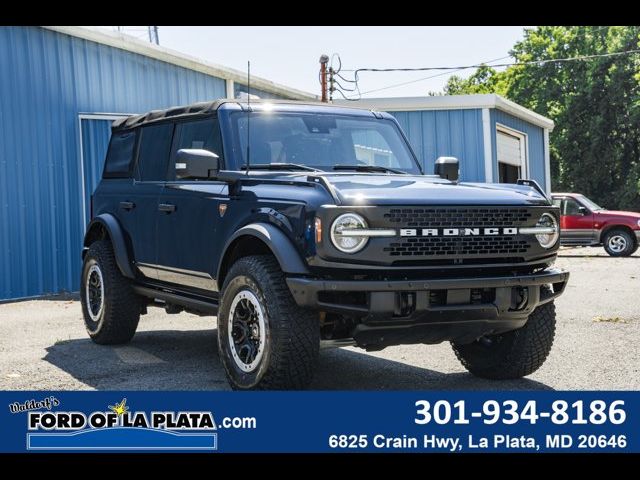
(509, 149)
(510, 154)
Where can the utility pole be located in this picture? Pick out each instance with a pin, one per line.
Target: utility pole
(324, 59)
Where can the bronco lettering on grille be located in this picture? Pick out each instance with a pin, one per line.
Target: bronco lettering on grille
(456, 232)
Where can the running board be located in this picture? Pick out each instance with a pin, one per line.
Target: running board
(210, 308)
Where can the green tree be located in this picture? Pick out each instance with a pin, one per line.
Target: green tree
(484, 80)
(595, 147)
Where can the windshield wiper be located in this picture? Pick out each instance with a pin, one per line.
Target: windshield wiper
(280, 166)
(368, 168)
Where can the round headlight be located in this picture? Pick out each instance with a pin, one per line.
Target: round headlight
(639, 223)
(348, 243)
(548, 240)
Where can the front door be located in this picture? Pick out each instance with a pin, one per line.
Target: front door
(190, 214)
(576, 223)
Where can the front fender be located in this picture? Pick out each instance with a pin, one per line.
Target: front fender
(283, 249)
(113, 229)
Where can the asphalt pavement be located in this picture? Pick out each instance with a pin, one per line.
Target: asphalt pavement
(43, 345)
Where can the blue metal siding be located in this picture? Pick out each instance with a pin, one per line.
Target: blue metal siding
(456, 133)
(47, 79)
(240, 87)
(535, 144)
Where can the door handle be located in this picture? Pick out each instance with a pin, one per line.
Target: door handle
(127, 205)
(166, 207)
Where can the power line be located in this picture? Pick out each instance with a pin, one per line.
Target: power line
(429, 77)
(532, 62)
(465, 67)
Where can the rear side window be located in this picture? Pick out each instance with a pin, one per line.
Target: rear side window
(153, 153)
(201, 134)
(120, 154)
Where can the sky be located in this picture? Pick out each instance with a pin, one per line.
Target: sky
(289, 55)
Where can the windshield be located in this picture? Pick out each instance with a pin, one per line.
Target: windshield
(589, 204)
(322, 141)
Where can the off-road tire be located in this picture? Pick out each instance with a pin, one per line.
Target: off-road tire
(630, 248)
(292, 335)
(514, 354)
(118, 319)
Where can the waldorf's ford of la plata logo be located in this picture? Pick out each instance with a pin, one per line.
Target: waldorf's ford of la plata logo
(118, 428)
(456, 232)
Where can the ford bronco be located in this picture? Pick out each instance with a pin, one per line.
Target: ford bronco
(301, 225)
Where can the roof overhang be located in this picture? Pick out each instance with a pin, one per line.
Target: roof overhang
(134, 45)
(452, 102)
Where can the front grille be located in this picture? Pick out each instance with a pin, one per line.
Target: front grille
(430, 246)
(462, 249)
(458, 217)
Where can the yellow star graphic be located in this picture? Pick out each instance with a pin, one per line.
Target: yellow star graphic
(120, 408)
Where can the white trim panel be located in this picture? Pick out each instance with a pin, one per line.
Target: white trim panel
(488, 150)
(452, 102)
(230, 88)
(134, 45)
(547, 162)
(103, 116)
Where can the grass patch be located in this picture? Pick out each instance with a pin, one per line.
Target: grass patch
(602, 319)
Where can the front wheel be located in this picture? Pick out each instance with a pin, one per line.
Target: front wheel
(619, 243)
(265, 340)
(512, 354)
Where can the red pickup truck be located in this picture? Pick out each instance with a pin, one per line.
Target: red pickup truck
(585, 223)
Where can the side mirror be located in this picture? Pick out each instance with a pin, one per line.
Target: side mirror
(448, 168)
(197, 163)
(583, 211)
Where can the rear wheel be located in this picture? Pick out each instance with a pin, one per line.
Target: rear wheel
(110, 307)
(265, 340)
(619, 243)
(512, 354)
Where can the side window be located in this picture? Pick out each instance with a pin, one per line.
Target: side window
(201, 134)
(571, 207)
(120, 154)
(557, 202)
(153, 153)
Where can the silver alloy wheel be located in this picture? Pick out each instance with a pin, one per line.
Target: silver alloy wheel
(617, 243)
(246, 331)
(94, 292)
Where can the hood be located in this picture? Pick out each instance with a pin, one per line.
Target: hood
(618, 213)
(372, 189)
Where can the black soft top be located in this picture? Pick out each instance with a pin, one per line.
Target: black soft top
(207, 108)
(201, 108)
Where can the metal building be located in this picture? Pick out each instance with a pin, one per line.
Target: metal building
(495, 139)
(61, 87)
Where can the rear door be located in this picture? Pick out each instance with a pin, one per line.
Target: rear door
(154, 145)
(116, 189)
(188, 245)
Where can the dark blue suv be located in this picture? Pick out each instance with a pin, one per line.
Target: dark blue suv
(307, 224)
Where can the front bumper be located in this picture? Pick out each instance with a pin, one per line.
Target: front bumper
(431, 310)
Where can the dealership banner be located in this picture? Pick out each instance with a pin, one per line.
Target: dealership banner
(214, 422)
